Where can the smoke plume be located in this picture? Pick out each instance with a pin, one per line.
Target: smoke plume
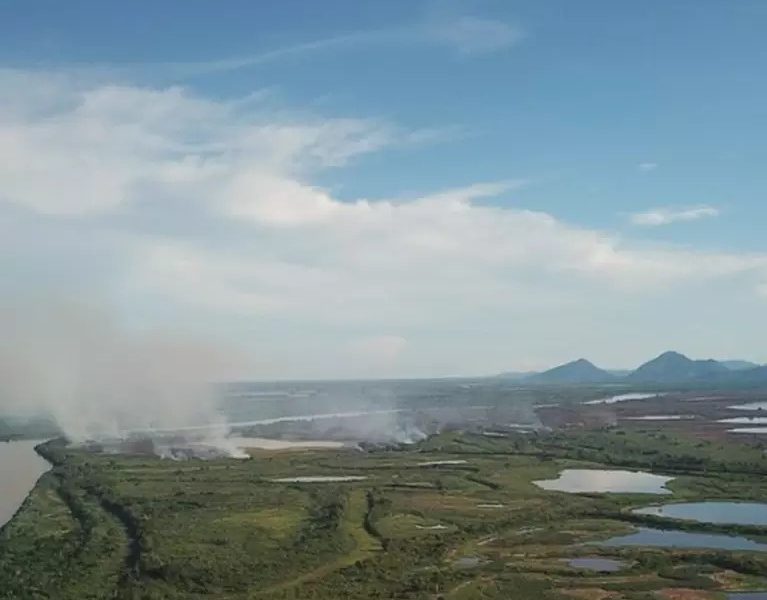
(97, 379)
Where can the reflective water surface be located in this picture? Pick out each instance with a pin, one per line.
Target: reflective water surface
(319, 479)
(622, 398)
(20, 468)
(606, 480)
(750, 406)
(647, 536)
(735, 513)
(745, 420)
(601, 565)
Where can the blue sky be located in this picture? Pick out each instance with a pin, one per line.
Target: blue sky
(351, 189)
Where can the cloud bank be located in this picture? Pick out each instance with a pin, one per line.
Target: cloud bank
(204, 213)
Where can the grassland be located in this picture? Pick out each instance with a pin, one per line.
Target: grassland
(133, 527)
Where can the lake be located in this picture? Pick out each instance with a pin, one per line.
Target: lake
(606, 480)
(733, 513)
(20, 468)
(669, 538)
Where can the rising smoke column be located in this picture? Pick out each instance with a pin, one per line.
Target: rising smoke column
(99, 380)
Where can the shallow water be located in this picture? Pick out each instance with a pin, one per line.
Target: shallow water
(660, 418)
(606, 480)
(757, 430)
(747, 596)
(622, 398)
(20, 468)
(750, 406)
(661, 538)
(601, 565)
(733, 513)
(320, 479)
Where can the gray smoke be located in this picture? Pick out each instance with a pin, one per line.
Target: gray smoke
(99, 380)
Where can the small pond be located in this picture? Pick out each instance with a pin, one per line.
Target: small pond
(660, 418)
(745, 420)
(606, 480)
(733, 513)
(622, 398)
(600, 565)
(319, 479)
(669, 538)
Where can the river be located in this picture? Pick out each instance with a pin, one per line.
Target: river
(20, 468)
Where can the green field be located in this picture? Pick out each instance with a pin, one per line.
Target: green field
(132, 527)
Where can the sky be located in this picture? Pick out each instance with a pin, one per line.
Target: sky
(347, 189)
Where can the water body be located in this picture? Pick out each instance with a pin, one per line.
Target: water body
(750, 406)
(731, 513)
(745, 420)
(606, 480)
(622, 398)
(600, 565)
(667, 538)
(747, 596)
(757, 430)
(20, 468)
(320, 479)
(660, 418)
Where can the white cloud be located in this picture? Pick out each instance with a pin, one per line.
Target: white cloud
(210, 214)
(668, 215)
(646, 167)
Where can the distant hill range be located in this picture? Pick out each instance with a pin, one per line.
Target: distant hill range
(668, 368)
(578, 371)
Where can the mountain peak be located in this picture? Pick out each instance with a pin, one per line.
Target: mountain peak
(577, 371)
(671, 354)
(673, 366)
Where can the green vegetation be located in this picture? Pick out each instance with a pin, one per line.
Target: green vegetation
(133, 527)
